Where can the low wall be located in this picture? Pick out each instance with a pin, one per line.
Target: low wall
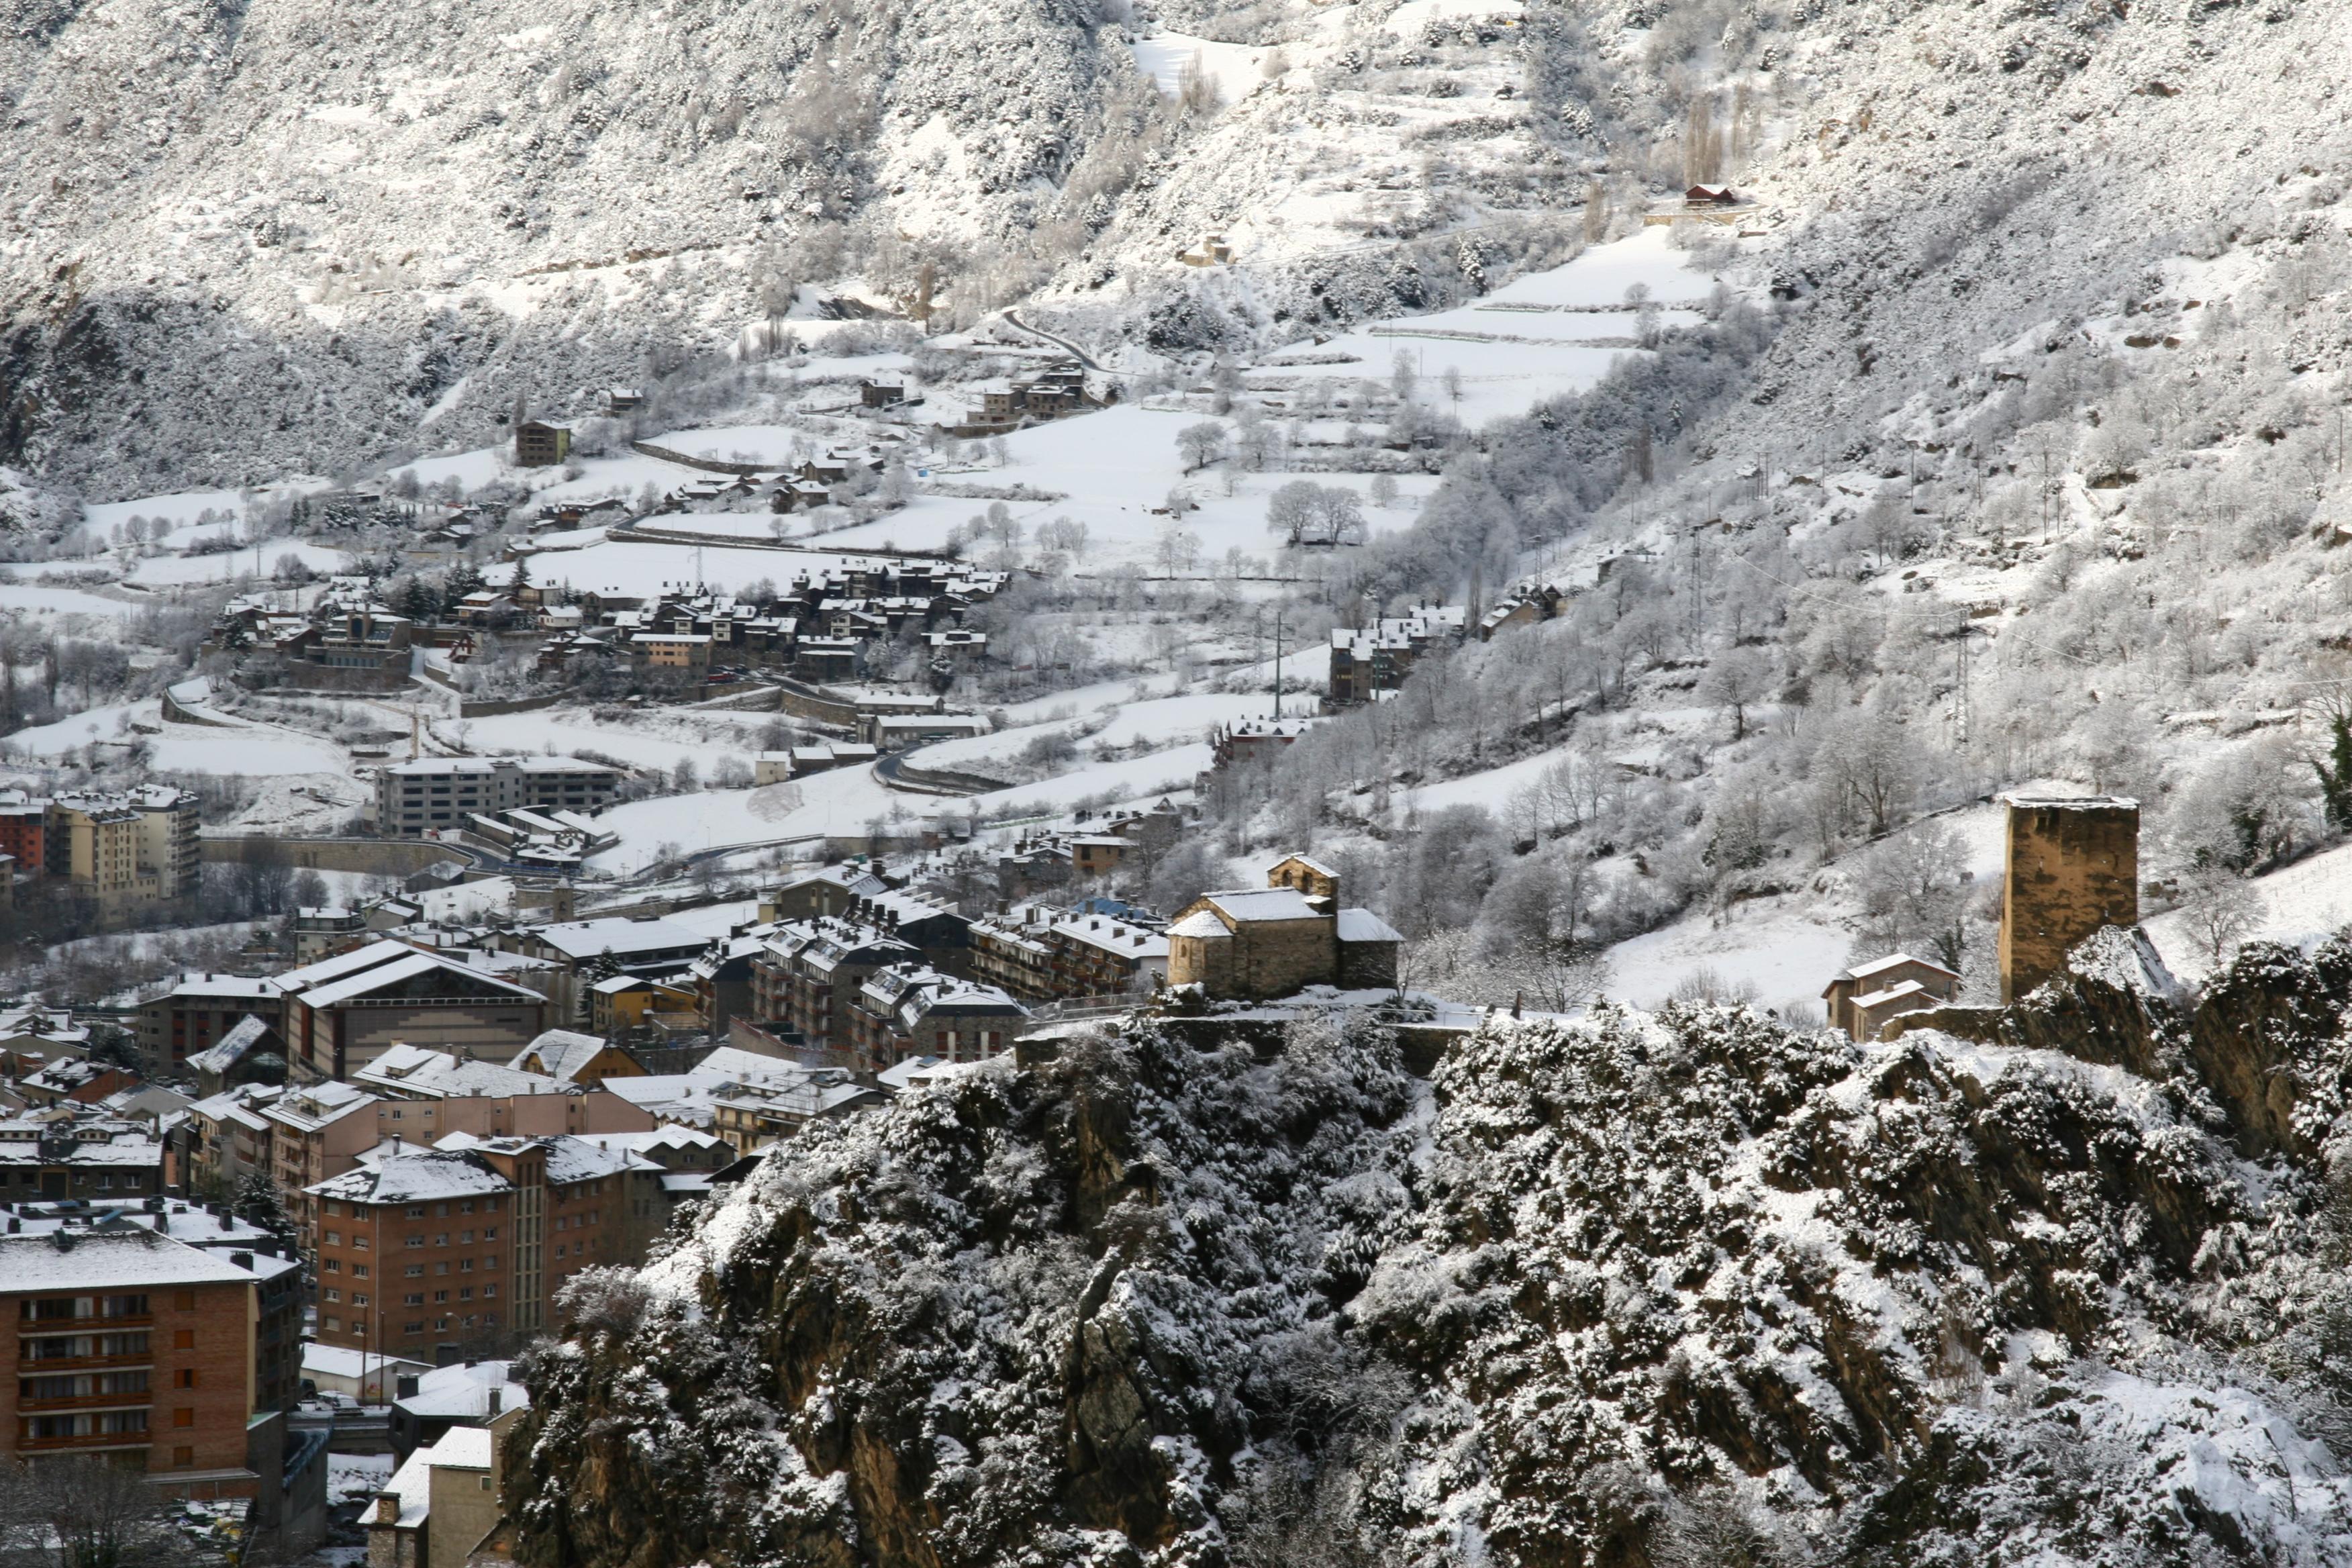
(371, 857)
(174, 713)
(707, 464)
(491, 707)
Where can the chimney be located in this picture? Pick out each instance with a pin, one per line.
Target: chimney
(387, 1507)
(498, 1396)
(242, 1260)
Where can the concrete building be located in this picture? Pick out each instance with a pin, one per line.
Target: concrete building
(430, 1401)
(1257, 942)
(2071, 867)
(131, 1345)
(437, 795)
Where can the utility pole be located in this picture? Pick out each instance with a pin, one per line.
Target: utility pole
(1277, 662)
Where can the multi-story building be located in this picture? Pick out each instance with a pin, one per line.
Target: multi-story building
(25, 831)
(92, 1158)
(342, 1012)
(808, 973)
(198, 1011)
(580, 951)
(127, 848)
(229, 1139)
(131, 1344)
(908, 1011)
(752, 1116)
(269, 1259)
(1041, 954)
(325, 1130)
(435, 795)
(423, 1252)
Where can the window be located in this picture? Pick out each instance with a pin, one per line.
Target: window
(183, 1339)
(332, 1265)
(416, 1241)
(359, 1242)
(465, 1207)
(334, 1238)
(358, 1271)
(489, 1291)
(467, 1294)
(414, 1271)
(492, 1234)
(413, 1299)
(440, 1268)
(412, 1328)
(334, 1295)
(332, 1321)
(440, 1211)
(465, 1238)
(185, 1415)
(441, 1239)
(440, 1294)
(184, 1458)
(465, 1266)
(185, 1378)
(360, 1300)
(415, 1211)
(183, 1301)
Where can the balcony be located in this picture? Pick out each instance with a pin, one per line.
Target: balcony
(27, 1327)
(27, 1366)
(86, 1441)
(89, 1402)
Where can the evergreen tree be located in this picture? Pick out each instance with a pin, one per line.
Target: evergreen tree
(257, 1203)
(2335, 773)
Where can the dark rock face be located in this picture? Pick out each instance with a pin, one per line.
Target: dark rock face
(1644, 1289)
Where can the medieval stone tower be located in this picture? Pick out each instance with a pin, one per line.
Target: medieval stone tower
(2072, 867)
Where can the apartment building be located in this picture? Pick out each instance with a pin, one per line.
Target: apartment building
(198, 1011)
(95, 1159)
(131, 1345)
(128, 846)
(435, 795)
(423, 1252)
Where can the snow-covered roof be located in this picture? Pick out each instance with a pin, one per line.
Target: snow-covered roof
(462, 1393)
(1309, 861)
(417, 1073)
(1362, 925)
(125, 1259)
(230, 1048)
(319, 1104)
(1264, 904)
(344, 964)
(1201, 922)
(2071, 802)
(335, 1361)
(619, 935)
(425, 1175)
(1892, 994)
(1894, 961)
(407, 968)
(560, 1053)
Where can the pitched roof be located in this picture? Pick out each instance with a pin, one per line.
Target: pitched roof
(1264, 904)
(1362, 925)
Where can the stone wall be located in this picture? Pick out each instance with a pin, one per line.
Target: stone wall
(2071, 867)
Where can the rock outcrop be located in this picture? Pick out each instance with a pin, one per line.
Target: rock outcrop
(1641, 1290)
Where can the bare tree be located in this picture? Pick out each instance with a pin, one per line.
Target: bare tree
(79, 1511)
(1201, 444)
(1737, 682)
(2220, 909)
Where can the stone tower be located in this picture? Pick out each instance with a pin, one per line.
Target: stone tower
(2072, 866)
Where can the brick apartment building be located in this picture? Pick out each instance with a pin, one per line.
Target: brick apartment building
(321, 1131)
(424, 1252)
(124, 847)
(130, 1343)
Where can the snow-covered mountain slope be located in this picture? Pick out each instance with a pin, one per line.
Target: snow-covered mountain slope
(1681, 1287)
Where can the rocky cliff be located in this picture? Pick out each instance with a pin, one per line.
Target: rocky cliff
(1682, 1288)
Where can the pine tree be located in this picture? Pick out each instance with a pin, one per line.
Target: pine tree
(2335, 773)
(257, 1203)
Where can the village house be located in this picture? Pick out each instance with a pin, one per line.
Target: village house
(1862, 999)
